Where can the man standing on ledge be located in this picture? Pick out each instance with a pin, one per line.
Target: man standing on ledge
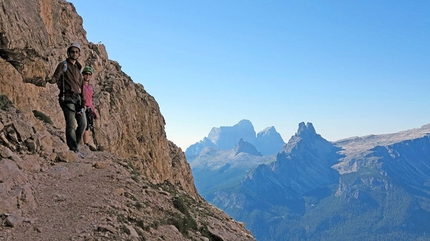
(68, 77)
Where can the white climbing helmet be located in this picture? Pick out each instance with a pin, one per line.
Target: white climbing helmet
(74, 44)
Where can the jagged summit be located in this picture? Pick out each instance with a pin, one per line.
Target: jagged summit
(267, 142)
(305, 134)
(304, 164)
(246, 147)
(226, 137)
(269, 130)
(306, 131)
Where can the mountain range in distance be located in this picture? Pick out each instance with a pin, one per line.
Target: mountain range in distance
(375, 187)
(267, 142)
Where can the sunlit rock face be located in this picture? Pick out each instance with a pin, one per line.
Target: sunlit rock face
(34, 36)
(136, 181)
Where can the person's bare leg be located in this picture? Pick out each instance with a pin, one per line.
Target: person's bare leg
(86, 137)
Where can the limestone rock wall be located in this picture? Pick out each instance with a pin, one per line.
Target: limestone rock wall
(34, 35)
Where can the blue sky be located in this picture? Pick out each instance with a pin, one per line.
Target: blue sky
(352, 68)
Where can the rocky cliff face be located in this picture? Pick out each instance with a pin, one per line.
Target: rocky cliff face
(34, 35)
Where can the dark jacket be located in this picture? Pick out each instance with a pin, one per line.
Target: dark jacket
(72, 77)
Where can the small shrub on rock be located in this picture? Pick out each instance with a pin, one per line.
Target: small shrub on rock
(41, 116)
(5, 103)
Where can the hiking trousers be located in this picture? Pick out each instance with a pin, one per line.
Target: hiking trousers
(74, 133)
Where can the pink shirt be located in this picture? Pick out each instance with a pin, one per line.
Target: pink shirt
(87, 91)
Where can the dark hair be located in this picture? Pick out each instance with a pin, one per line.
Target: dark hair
(70, 48)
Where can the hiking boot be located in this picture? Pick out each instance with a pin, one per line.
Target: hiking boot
(74, 149)
(78, 153)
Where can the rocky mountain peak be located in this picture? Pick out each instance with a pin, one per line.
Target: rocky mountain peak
(246, 147)
(305, 137)
(269, 141)
(244, 124)
(226, 137)
(306, 131)
(306, 152)
(268, 131)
